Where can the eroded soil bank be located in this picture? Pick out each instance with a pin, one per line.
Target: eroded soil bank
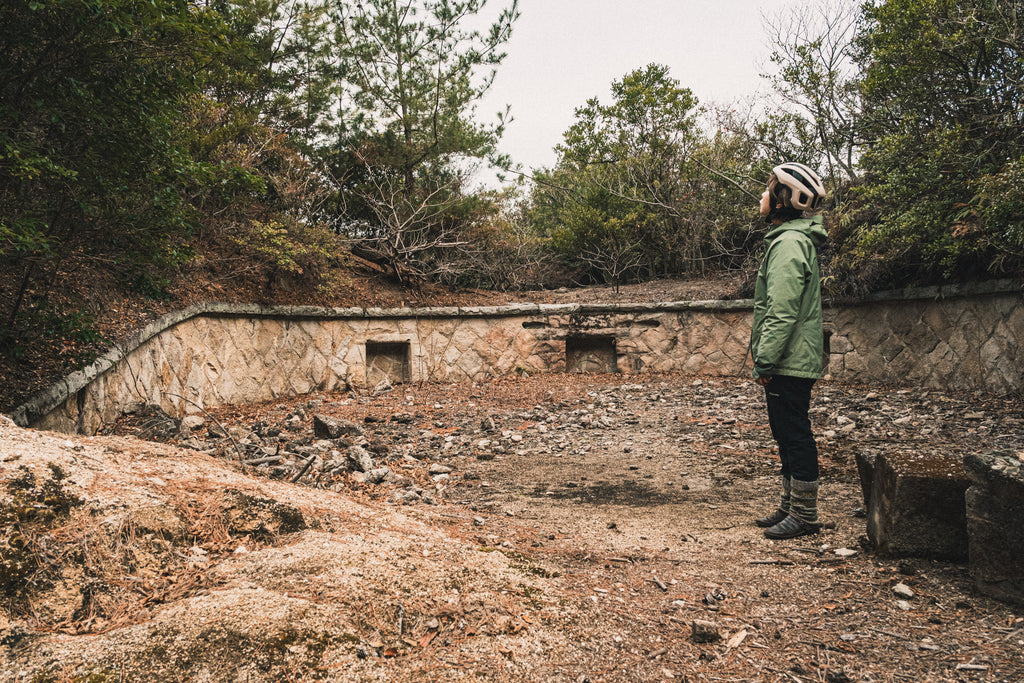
(554, 528)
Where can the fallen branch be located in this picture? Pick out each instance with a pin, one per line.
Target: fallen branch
(305, 468)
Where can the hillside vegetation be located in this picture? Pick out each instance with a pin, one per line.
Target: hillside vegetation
(158, 152)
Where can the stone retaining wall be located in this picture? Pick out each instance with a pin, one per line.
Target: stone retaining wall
(221, 354)
(953, 338)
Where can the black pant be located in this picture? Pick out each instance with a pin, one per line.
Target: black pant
(789, 399)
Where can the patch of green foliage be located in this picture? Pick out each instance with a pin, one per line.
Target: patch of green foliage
(940, 198)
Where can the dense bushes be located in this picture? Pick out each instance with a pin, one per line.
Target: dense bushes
(268, 139)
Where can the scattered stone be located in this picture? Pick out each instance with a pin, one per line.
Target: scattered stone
(705, 631)
(193, 422)
(377, 475)
(903, 590)
(325, 427)
(358, 459)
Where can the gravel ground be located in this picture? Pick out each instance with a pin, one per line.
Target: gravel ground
(592, 528)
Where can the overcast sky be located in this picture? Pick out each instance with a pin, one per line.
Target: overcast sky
(563, 52)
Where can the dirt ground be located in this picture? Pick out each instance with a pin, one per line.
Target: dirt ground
(551, 528)
(646, 511)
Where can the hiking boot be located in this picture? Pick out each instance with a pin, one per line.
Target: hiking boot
(791, 527)
(803, 512)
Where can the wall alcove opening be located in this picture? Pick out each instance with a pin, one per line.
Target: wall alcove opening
(590, 354)
(387, 360)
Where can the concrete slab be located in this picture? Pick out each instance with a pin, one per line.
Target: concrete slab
(995, 524)
(917, 508)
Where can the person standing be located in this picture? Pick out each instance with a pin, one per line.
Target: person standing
(787, 339)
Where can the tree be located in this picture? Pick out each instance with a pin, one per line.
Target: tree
(89, 160)
(265, 100)
(415, 74)
(131, 129)
(278, 60)
(943, 110)
(817, 80)
(622, 162)
(630, 192)
(595, 230)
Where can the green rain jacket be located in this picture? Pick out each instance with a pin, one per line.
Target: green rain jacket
(787, 337)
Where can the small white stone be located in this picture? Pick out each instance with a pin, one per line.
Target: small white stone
(903, 590)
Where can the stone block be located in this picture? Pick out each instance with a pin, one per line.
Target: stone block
(855, 366)
(995, 524)
(866, 469)
(838, 343)
(917, 506)
(325, 427)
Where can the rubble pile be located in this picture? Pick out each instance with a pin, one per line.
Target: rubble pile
(422, 443)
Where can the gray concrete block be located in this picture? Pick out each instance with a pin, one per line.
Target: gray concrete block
(995, 524)
(917, 506)
(866, 471)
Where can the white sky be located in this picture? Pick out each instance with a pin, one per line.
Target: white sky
(563, 52)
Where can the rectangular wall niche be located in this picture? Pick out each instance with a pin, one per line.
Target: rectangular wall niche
(387, 360)
(590, 354)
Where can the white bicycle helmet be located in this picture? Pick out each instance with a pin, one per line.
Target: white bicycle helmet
(807, 191)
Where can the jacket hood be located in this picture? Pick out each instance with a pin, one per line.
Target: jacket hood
(812, 227)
